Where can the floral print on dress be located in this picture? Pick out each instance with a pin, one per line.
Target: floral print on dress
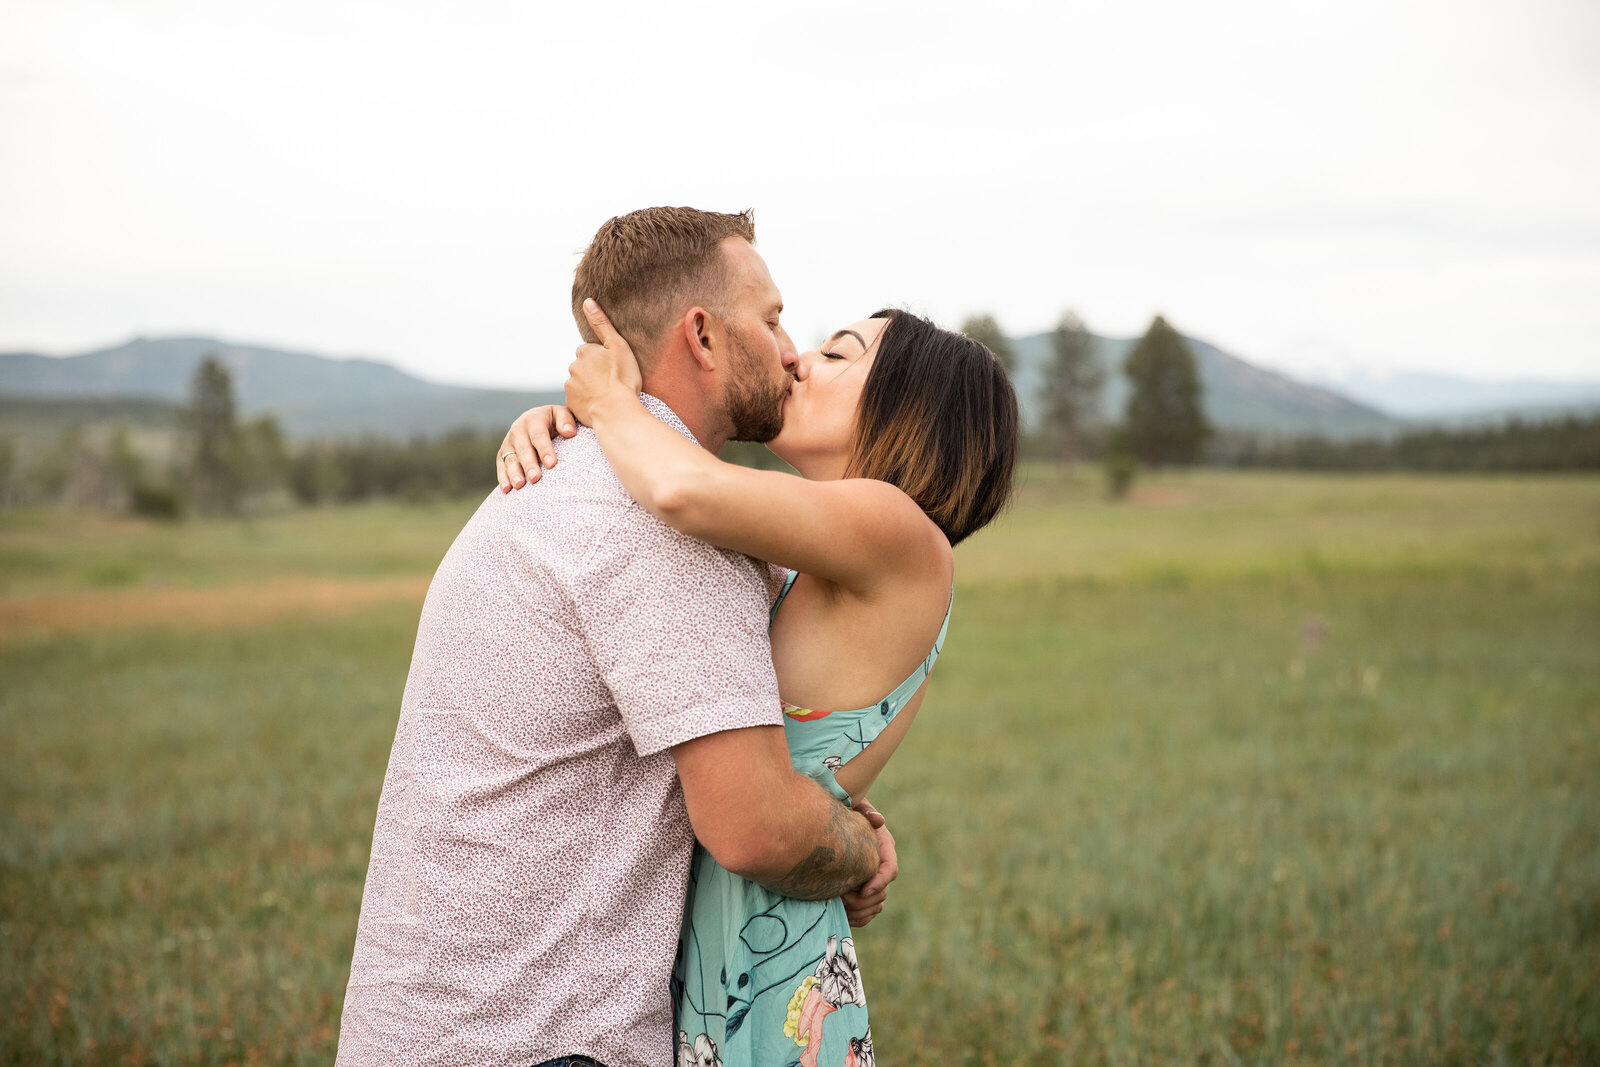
(860, 1054)
(835, 982)
(799, 714)
(703, 1053)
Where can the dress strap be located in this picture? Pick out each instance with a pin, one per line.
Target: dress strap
(788, 584)
(858, 727)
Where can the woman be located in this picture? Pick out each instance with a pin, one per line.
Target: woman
(905, 437)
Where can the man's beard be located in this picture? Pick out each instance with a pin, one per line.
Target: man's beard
(754, 402)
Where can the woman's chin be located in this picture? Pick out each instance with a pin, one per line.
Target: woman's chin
(790, 425)
(776, 446)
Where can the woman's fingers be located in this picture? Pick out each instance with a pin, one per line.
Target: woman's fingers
(534, 450)
(600, 368)
(597, 319)
(529, 449)
(608, 364)
(864, 903)
(566, 425)
(507, 470)
(862, 908)
(861, 899)
(874, 817)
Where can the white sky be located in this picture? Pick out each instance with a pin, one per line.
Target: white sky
(1388, 184)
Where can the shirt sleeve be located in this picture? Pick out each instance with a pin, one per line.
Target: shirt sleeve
(678, 630)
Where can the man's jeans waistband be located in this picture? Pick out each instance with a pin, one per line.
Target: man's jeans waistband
(570, 1061)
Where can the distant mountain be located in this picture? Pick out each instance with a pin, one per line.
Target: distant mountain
(1447, 398)
(1238, 396)
(311, 395)
(314, 396)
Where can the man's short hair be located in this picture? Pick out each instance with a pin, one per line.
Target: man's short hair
(647, 267)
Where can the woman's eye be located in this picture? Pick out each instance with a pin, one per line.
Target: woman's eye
(833, 355)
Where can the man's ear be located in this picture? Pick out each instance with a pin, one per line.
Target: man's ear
(700, 333)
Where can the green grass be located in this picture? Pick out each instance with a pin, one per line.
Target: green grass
(184, 847)
(1252, 769)
(48, 552)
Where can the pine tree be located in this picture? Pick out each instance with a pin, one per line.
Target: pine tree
(1072, 387)
(215, 436)
(263, 460)
(986, 331)
(1166, 421)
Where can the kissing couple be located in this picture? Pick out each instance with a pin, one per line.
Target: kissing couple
(624, 820)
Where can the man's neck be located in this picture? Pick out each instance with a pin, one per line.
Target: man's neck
(689, 405)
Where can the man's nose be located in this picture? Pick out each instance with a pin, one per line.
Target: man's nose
(801, 367)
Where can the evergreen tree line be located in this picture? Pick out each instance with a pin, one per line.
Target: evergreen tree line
(1165, 423)
(1569, 443)
(224, 465)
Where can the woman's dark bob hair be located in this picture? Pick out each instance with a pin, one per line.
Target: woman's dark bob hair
(938, 419)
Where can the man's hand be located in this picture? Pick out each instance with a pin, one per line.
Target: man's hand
(764, 821)
(862, 905)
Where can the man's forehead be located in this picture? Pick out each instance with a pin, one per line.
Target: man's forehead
(750, 269)
(741, 252)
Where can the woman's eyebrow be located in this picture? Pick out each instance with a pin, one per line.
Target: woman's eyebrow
(847, 333)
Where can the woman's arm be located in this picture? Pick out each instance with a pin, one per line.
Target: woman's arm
(856, 532)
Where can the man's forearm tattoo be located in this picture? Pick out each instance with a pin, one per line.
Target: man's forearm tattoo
(833, 868)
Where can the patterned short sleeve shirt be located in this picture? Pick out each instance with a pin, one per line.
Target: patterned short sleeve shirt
(531, 848)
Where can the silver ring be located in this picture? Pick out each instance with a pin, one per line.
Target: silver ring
(510, 452)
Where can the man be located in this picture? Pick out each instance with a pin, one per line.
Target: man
(576, 659)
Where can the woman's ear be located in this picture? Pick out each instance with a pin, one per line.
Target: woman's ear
(702, 336)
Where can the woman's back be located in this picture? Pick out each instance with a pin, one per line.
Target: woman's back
(834, 650)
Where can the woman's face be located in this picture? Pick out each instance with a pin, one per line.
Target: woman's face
(819, 414)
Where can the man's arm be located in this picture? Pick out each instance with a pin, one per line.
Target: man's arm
(678, 632)
(764, 821)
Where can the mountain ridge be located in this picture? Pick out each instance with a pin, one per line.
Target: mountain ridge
(1239, 396)
(320, 396)
(311, 395)
(1438, 397)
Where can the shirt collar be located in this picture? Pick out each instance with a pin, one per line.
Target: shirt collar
(659, 409)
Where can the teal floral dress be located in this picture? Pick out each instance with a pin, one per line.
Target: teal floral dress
(765, 981)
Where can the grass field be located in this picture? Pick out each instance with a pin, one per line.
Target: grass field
(1251, 769)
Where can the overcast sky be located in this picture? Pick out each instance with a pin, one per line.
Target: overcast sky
(1384, 184)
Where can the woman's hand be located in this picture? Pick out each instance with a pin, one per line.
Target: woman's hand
(527, 450)
(863, 904)
(602, 372)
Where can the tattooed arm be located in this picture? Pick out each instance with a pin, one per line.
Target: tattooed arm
(834, 867)
(763, 821)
